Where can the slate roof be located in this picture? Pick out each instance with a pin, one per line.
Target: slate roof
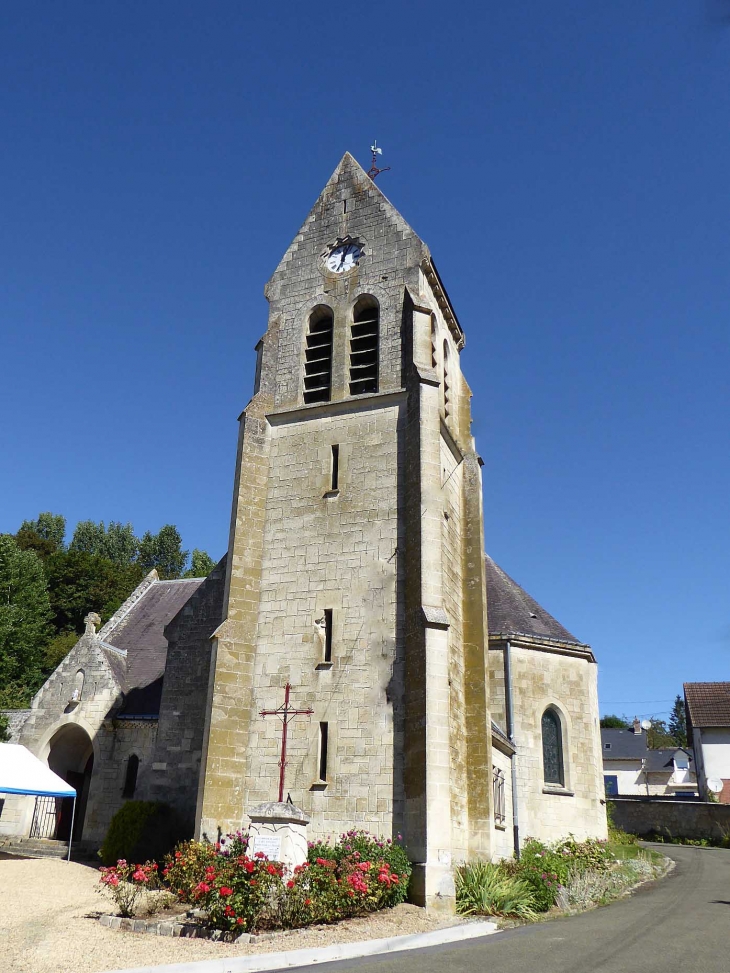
(708, 703)
(627, 745)
(511, 611)
(140, 632)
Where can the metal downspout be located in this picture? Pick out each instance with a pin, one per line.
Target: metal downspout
(511, 735)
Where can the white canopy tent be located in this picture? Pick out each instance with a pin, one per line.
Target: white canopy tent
(22, 773)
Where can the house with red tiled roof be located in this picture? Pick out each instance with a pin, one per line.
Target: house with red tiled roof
(708, 731)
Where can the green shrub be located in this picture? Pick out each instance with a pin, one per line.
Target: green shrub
(141, 831)
(486, 889)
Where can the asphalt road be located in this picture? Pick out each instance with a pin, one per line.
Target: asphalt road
(680, 924)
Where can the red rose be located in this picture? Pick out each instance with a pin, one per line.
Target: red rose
(225, 891)
(290, 884)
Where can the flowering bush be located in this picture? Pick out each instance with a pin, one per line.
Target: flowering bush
(241, 893)
(542, 870)
(358, 874)
(185, 867)
(125, 882)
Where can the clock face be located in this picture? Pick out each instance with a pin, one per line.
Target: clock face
(343, 258)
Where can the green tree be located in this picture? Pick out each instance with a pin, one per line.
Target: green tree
(658, 736)
(678, 722)
(4, 731)
(116, 542)
(201, 564)
(58, 648)
(88, 537)
(51, 527)
(163, 551)
(79, 582)
(613, 722)
(25, 613)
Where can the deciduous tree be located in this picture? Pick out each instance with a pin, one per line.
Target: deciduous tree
(25, 614)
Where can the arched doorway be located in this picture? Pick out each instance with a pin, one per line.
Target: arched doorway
(71, 756)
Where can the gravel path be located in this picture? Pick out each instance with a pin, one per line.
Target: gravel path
(48, 911)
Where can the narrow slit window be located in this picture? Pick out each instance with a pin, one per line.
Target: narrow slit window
(364, 340)
(447, 383)
(318, 356)
(323, 734)
(328, 635)
(130, 779)
(335, 468)
(344, 205)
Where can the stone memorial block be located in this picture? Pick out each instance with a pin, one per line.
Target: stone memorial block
(278, 830)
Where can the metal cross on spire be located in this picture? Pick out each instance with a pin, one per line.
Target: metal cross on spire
(373, 171)
(286, 714)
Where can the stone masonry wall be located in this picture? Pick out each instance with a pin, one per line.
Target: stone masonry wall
(675, 819)
(338, 553)
(53, 717)
(539, 679)
(175, 771)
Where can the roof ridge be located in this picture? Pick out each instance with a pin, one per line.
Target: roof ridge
(124, 609)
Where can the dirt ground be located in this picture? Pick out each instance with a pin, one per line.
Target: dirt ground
(48, 924)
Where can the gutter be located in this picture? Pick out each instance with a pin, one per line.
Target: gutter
(511, 736)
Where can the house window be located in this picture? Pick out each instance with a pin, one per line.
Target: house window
(323, 741)
(130, 779)
(606, 746)
(364, 347)
(610, 783)
(498, 799)
(552, 748)
(318, 356)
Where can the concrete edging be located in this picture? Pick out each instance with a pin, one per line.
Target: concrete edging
(286, 959)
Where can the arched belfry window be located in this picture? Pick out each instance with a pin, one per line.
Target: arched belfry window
(130, 778)
(318, 356)
(552, 748)
(364, 347)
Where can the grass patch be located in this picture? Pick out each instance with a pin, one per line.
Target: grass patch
(629, 852)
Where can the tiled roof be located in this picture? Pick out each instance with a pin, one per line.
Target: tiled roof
(511, 611)
(141, 634)
(627, 745)
(708, 703)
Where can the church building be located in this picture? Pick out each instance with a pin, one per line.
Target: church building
(436, 699)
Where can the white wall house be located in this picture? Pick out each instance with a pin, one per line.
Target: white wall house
(630, 767)
(708, 728)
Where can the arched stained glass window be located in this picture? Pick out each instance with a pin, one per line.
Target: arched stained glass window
(552, 748)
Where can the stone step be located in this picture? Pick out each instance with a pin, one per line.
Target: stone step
(34, 847)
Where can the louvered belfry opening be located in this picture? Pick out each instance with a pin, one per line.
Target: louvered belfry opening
(364, 347)
(318, 356)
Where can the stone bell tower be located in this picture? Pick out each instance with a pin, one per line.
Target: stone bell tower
(355, 562)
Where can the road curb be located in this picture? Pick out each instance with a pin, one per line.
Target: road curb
(286, 959)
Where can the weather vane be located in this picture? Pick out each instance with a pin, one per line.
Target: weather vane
(373, 171)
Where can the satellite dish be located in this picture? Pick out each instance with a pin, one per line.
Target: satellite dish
(646, 724)
(714, 784)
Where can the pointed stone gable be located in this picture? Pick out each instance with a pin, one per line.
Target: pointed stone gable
(369, 215)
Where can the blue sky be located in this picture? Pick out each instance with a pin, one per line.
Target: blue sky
(567, 163)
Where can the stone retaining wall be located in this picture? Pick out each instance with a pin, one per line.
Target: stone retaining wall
(676, 819)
